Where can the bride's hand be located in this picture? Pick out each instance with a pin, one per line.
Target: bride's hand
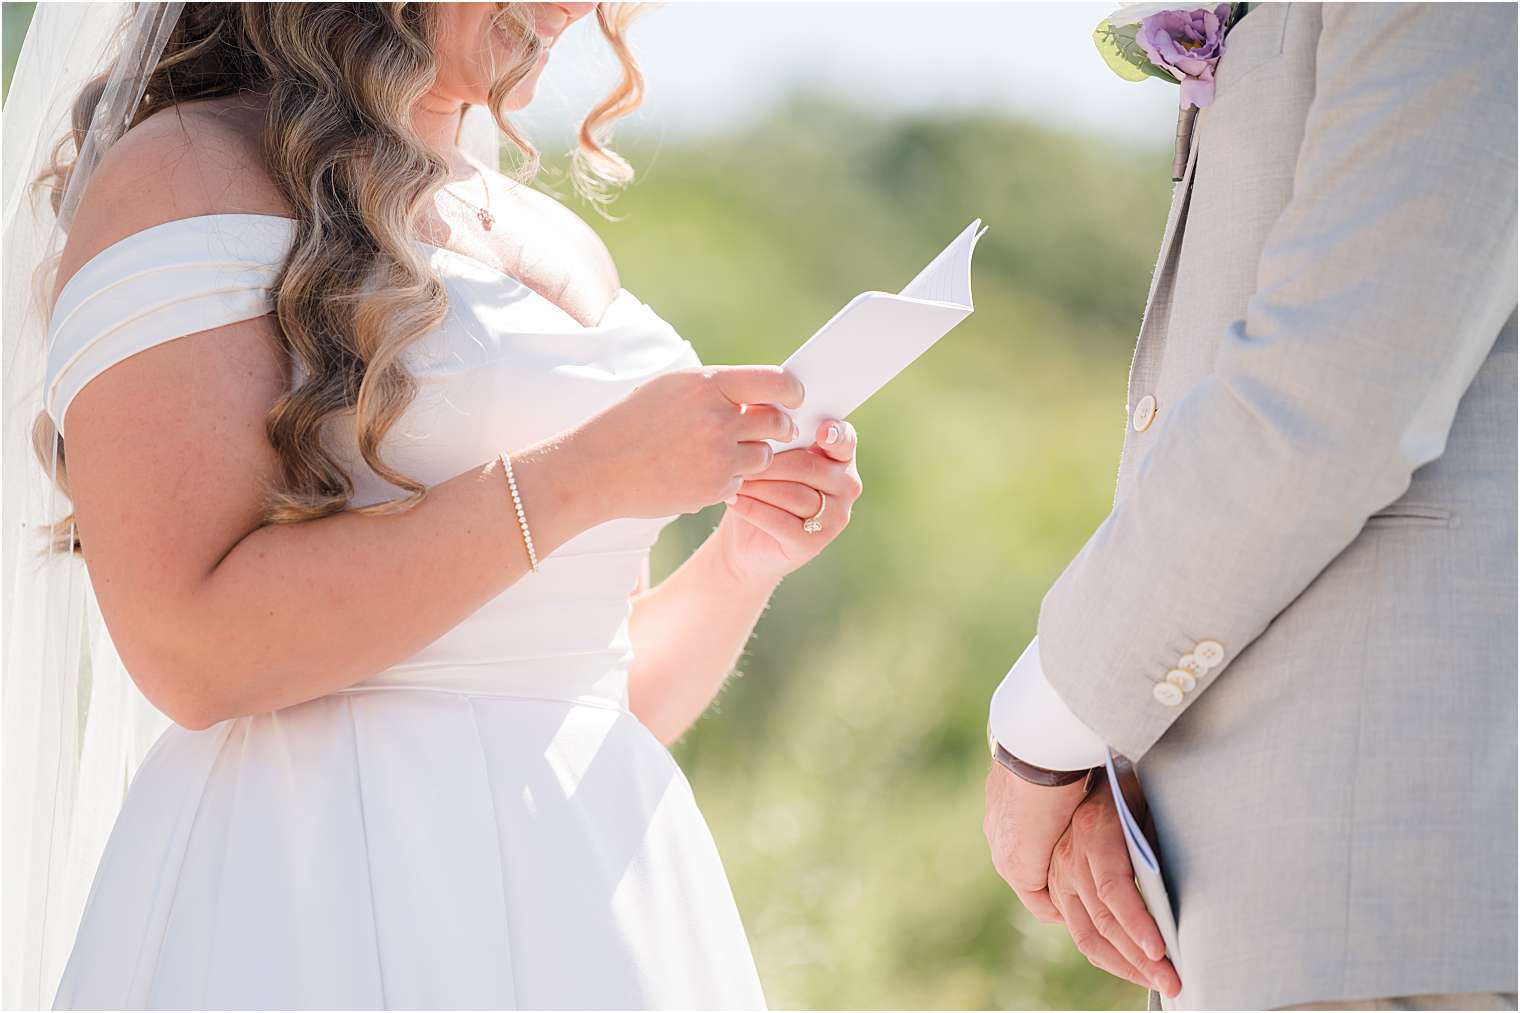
(686, 439)
(762, 533)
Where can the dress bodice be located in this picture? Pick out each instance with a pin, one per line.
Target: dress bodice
(505, 369)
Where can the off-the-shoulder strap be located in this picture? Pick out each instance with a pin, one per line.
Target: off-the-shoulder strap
(174, 279)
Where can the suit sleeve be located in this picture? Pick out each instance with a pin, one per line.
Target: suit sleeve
(1380, 291)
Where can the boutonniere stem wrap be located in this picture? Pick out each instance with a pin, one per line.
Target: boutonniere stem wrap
(1173, 43)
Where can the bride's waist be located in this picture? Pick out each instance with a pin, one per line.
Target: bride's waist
(593, 677)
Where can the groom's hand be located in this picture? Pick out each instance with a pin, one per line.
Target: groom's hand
(1023, 823)
(1092, 884)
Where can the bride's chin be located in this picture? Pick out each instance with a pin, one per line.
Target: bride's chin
(522, 96)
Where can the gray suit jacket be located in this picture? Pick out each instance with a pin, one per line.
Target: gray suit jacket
(1326, 489)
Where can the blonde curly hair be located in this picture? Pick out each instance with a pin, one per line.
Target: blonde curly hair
(355, 292)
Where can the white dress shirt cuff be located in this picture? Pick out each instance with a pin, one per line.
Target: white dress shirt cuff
(1032, 722)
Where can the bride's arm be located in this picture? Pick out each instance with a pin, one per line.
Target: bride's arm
(217, 614)
(689, 631)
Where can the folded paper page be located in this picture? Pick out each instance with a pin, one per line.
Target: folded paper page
(877, 335)
(1147, 874)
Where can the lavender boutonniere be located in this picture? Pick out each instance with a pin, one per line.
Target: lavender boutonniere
(1171, 42)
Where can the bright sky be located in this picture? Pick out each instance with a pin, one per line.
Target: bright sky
(712, 64)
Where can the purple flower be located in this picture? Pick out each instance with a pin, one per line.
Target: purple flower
(1187, 45)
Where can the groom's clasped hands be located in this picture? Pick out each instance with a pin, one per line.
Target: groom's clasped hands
(1062, 850)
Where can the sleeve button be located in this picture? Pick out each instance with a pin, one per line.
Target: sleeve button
(1182, 679)
(1209, 653)
(1166, 694)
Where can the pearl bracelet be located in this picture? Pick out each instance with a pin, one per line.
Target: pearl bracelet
(522, 518)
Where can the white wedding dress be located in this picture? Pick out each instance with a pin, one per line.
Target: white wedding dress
(485, 824)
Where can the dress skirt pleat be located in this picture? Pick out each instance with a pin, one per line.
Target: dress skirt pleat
(412, 849)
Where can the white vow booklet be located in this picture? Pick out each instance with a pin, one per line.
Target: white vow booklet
(877, 335)
(1147, 872)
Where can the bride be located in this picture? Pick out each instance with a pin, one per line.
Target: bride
(365, 448)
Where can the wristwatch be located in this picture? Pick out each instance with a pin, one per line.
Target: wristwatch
(1028, 771)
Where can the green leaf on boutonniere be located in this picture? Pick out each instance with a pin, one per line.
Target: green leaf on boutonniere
(1124, 55)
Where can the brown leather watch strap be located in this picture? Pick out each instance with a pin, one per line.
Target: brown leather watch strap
(1036, 775)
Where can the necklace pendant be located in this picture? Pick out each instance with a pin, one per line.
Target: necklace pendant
(486, 219)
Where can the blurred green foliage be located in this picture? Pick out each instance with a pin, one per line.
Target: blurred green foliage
(842, 771)
(14, 18)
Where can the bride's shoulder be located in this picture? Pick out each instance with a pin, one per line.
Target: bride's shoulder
(197, 158)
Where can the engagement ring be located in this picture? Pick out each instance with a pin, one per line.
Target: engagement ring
(814, 524)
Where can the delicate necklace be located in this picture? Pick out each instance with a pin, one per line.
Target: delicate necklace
(483, 213)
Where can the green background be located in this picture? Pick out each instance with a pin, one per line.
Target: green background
(842, 770)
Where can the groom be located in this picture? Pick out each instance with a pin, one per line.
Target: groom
(1299, 620)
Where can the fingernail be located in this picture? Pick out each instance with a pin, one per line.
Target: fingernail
(832, 436)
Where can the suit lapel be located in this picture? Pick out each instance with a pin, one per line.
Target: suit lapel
(1175, 221)
(1158, 301)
